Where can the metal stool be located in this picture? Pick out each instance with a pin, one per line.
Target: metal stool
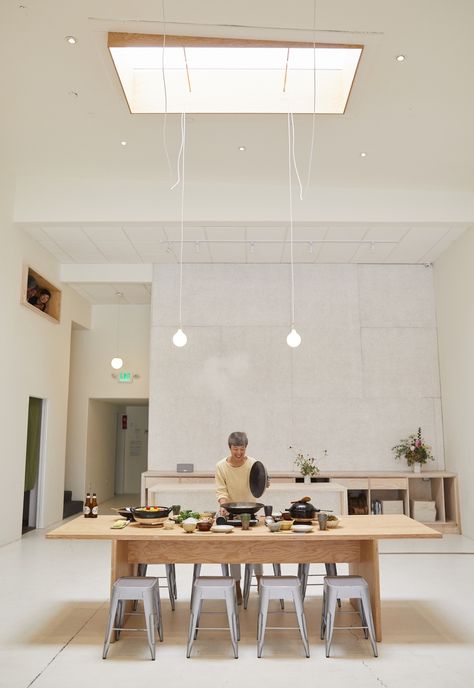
(249, 572)
(170, 582)
(134, 588)
(280, 588)
(197, 572)
(354, 587)
(214, 588)
(303, 574)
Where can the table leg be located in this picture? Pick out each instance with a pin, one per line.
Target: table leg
(368, 568)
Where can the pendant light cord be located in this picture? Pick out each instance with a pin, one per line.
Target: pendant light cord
(182, 151)
(290, 195)
(165, 91)
(313, 119)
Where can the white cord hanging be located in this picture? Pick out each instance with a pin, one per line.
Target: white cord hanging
(293, 339)
(179, 337)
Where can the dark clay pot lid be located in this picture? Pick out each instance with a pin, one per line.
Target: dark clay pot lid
(258, 479)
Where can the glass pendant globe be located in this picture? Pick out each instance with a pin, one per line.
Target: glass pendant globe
(116, 363)
(179, 338)
(293, 339)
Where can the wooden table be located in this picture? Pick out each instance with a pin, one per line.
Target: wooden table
(355, 542)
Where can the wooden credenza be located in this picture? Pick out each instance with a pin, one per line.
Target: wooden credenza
(363, 488)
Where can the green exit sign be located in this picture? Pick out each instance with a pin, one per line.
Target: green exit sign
(125, 377)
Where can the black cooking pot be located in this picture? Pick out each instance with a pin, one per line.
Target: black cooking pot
(302, 509)
(242, 507)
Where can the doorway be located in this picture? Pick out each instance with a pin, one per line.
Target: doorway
(131, 448)
(32, 464)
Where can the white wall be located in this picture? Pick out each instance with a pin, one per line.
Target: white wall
(365, 376)
(100, 448)
(35, 358)
(454, 282)
(91, 378)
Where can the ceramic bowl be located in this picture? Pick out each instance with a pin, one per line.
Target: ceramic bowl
(332, 523)
(204, 525)
(301, 528)
(189, 527)
(274, 527)
(286, 525)
(222, 529)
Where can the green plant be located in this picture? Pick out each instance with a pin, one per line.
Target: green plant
(306, 464)
(414, 449)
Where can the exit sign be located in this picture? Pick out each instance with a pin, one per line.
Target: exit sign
(125, 377)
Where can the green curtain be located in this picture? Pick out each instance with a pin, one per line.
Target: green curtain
(33, 442)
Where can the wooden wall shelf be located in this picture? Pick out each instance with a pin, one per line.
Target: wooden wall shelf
(53, 308)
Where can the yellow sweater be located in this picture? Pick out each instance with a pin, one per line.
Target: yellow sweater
(233, 483)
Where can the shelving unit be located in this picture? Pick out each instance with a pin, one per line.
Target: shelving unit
(439, 487)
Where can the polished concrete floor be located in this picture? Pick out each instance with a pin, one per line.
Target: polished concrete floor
(54, 597)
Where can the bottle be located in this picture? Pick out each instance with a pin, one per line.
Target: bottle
(87, 506)
(94, 507)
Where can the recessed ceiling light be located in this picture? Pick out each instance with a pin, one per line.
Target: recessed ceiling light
(400, 58)
(363, 154)
(242, 148)
(123, 143)
(71, 40)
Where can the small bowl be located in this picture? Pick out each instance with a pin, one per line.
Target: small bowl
(300, 528)
(332, 522)
(204, 526)
(274, 527)
(222, 529)
(189, 527)
(285, 525)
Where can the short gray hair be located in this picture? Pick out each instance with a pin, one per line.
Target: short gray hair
(238, 439)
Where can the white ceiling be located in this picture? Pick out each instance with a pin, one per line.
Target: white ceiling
(414, 120)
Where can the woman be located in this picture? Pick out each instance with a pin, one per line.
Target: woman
(232, 485)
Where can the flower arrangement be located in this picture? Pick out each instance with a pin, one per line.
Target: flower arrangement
(414, 449)
(306, 464)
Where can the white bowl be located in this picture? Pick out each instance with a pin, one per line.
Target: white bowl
(333, 524)
(222, 529)
(301, 528)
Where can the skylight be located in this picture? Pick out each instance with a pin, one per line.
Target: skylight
(205, 75)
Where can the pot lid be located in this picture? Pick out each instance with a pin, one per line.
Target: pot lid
(258, 479)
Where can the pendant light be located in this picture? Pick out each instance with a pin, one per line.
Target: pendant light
(179, 337)
(293, 339)
(117, 361)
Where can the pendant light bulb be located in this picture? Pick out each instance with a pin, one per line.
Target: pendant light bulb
(179, 338)
(116, 363)
(293, 339)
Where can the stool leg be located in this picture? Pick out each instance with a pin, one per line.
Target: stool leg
(119, 618)
(225, 570)
(193, 619)
(149, 604)
(171, 584)
(261, 622)
(231, 607)
(303, 573)
(175, 587)
(277, 572)
(110, 624)
(301, 620)
(196, 573)
(323, 615)
(159, 617)
(247, 581)
(370, 623)
(331, 602)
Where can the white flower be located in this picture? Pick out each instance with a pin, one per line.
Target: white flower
(412, 448)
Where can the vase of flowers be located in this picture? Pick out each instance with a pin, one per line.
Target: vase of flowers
(415, 450)
(306, 465)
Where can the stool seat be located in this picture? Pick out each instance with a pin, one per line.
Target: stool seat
(135, 588)
(280, 588)
(213, 588)
(349, 587)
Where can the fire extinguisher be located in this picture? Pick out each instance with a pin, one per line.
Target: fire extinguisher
(124, 421)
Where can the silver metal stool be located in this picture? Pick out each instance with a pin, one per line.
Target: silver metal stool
(304, 574)
(248, 573)
(134, 588)
(170, 582)
(280, 588)
(353, 587)
(214, 588)
(197, 572)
